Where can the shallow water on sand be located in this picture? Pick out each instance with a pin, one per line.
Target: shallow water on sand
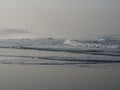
(34, 77)
(38, 70)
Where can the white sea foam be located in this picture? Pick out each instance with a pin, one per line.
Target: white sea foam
(101, 43)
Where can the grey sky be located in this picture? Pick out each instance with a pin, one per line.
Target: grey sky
(68, 18)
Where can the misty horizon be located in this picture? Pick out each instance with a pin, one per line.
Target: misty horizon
(62, 18)
(17, 33)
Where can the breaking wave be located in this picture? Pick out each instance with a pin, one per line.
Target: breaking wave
(100, 43)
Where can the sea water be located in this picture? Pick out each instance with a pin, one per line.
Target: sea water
(60, 64)
(51, 51)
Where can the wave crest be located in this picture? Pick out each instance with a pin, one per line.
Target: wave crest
(101, 43)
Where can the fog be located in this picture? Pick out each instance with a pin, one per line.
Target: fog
(62, 18)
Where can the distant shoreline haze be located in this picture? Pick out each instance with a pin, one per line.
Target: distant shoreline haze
(12, 30)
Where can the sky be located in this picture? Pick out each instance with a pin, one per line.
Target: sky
(62, 18)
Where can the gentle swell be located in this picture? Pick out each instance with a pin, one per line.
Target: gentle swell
(53, 60)
(71, 50)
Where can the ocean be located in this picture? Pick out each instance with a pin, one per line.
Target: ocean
(60, 64)
(60, 51)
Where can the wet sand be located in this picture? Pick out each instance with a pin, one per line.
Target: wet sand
(56, 77)
(47, 77)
